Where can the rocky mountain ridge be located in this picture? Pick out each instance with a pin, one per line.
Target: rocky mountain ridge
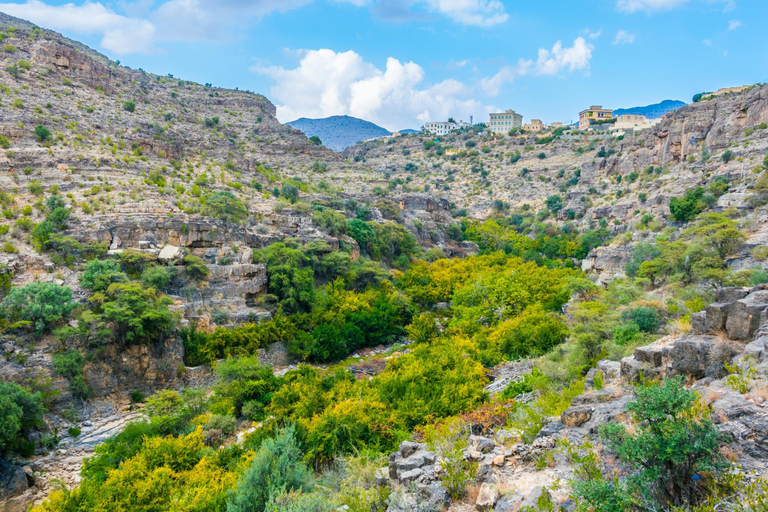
(339, 132)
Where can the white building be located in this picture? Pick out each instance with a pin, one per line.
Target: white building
(502, 122)
(444, 127)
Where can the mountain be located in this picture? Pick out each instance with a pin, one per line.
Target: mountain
(408, 131)
(339, 132)
(651, 111)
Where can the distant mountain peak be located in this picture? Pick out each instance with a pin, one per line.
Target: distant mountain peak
(339, 132)
(654, 111)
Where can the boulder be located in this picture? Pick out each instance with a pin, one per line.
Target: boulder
(508, 503)
(487, 497)
(631, 369)
(408, 448)
(13, 480)
(550, 429)
(480, 444)
(610, 369)
(716, 317)
(699, 322)
(408, 476)
(651, 354)
(484, 473)
(746, 315)
(576, 416)
(757, 350)
(692, 357)
(170, 254)
(731, 294)
(533, 498)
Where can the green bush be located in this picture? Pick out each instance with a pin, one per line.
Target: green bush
(129, 106)
(137, 313)
(156, 277)
(646, 318)
(42, 133)
(43, 305)
(225, 205)
(70, 366)
(626, 333)
(276, 469)
(673, 447)
(97, 275)
(289, 192)
(686, 208)
(316, 140)
(333, 222)
(20, 412)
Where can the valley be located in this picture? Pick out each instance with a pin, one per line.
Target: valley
(204, 310)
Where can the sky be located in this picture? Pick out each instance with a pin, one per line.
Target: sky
(401, 63)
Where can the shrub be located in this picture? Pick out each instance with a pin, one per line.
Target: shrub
(42, 133)
(137, 313)
(673, 444)
(129, 106)
(333, 222)
(97, 275)
(41, 304)
(20, 412)
(686, 208)
(316, 140)
(70, 366)
(225, 205)
(646, 318)
(727, 156)
(554, 203)
(541, 156)
(156, 277)
(289, 192)
(276, 468)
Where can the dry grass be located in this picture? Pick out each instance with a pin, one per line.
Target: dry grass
(472, 493)
(710, 395)
(729, 453)
(760, 391)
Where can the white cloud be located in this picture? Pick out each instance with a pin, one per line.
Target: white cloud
(631, 6)
(623, 37)
(593, 35)
(707, 42)
(208, 20)
(734, 24)
(483, 13)
(120, 34)
(327, 83)
(549, 63)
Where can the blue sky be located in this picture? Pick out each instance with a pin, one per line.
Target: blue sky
(400, 63)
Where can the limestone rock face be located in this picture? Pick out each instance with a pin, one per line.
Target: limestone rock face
(746, 315)
(13, 480)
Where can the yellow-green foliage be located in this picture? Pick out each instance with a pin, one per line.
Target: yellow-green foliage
(169, 474)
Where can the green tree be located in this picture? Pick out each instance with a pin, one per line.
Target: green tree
(225, 205)
(277, 468)
(289, 192)
(333, 222)
(138, 313)
(686, 208)
(42, 133)
(674, 443)
(290, 278)
(42, 304)
(97, 275)
(554, 203)
(315, 140)
(719, 232)
(20, 412)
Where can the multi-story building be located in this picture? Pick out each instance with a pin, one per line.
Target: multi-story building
(593, 114)
(444, 127)
(534, 126)
(502, 122)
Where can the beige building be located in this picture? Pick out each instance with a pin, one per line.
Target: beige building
(502, 122)
(593, 114)
(633, 122)
(534, 126)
